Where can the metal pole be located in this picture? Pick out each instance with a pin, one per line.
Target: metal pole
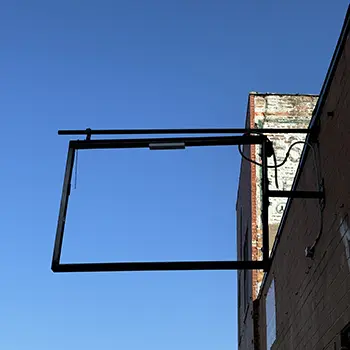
(152, 142)
(265, 205)
(159, 266)
(63, 207)
(182, 131)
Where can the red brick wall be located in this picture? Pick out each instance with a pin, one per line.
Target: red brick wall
(313, 295)
(256, 274)
(278, 110)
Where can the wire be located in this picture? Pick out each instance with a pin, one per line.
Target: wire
(313, 246)
(274, 155)
(275, 161)
(275, 166)
(320, 231)
(259, 164)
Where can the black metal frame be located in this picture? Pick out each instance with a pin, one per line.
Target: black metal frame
(250, 137)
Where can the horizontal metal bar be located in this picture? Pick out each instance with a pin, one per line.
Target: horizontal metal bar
(159, 266)
(167, 146)
(296, 194)
(188, 141)
(182, 131)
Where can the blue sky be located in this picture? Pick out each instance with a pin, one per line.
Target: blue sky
(135, 64)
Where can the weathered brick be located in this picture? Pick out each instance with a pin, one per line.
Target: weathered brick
(267, 111)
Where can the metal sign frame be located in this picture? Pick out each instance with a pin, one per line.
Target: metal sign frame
(250, 137)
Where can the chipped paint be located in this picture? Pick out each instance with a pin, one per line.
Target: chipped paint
(278, 111)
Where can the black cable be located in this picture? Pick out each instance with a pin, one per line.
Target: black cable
(275, 166)
(275, 161)
(311, 249)
(252, 161)
(320, 231)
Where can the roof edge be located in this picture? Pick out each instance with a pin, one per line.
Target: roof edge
(281, 94)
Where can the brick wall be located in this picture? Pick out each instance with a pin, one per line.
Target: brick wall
(313, 295)
(265, 111)
(276, 111)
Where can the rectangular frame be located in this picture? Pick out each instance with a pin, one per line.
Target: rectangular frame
(159, 143)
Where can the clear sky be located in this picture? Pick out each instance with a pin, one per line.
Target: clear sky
(135, 64)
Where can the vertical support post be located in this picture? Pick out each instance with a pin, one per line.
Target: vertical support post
(265, 205)
(63, 207)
